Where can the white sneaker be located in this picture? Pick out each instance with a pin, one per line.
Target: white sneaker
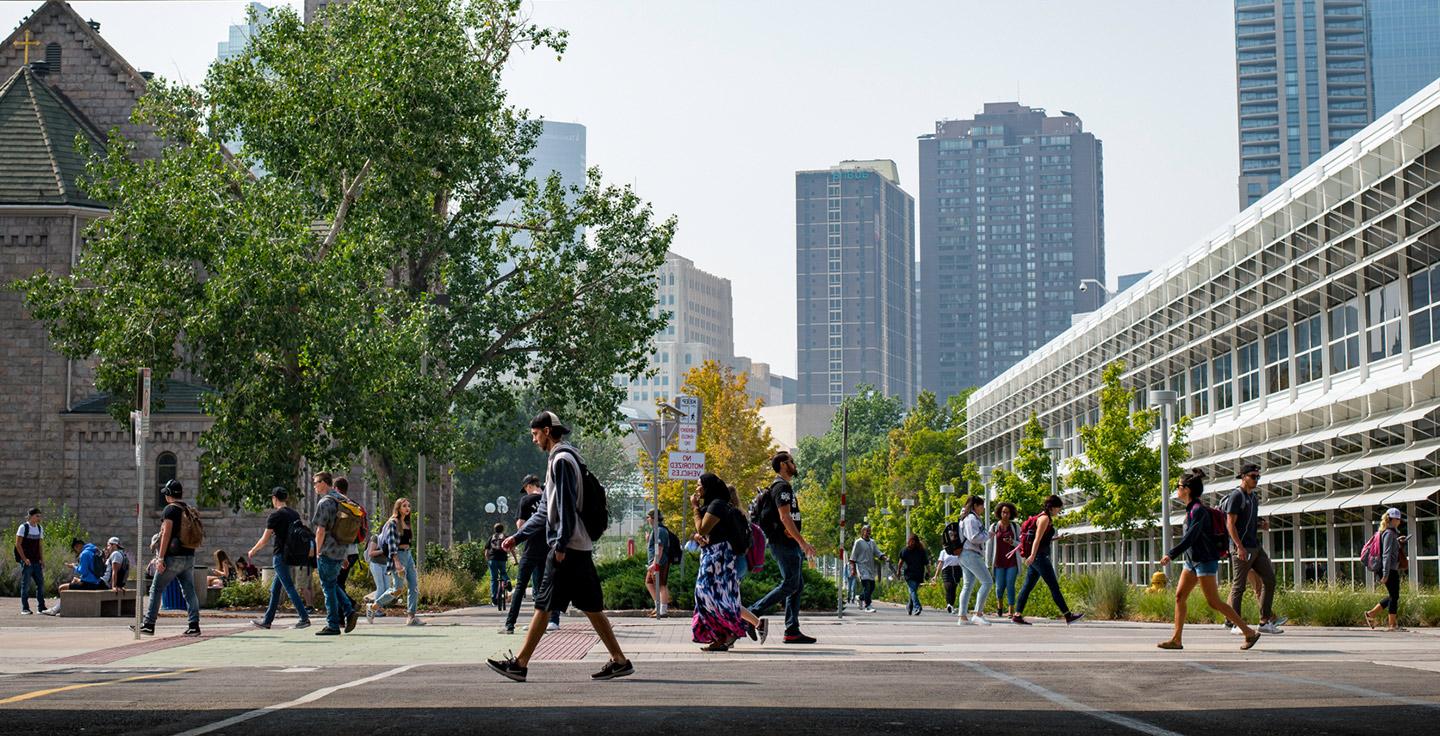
(869, 609)
(553, 627)
(962, 621)
(1270, 628)
(949, 608)
(1280, 621)
(51, 611)
(979, 620)
(1234, 629)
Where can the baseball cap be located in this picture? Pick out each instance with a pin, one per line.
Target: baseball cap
(1247, 469)
(114, 540)
(550, 420)
(1395, 514)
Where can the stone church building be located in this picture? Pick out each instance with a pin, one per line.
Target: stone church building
(60, 79)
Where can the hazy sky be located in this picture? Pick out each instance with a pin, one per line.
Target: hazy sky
(709, 107)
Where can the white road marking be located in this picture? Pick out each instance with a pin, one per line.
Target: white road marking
(1363, 692)
(302, 700)
(299, 669)
(1074, 705)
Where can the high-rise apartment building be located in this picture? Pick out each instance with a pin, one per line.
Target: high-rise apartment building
(855, 282)
(1312, 73)
(1011, 222)
(701, 328)
(241, 33)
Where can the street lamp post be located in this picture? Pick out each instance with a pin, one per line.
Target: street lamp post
(947, 491)
(986, 473)
(907, 503)
(1054, 445)
(1164, 401)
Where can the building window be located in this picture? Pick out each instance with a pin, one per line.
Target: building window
(1277, 362)
(1308, 343)
(166, 469)
(1200, 390)
(1424, 317)
(1223, 371)
(1345, 337)
(1249, 371)
(1382, 319)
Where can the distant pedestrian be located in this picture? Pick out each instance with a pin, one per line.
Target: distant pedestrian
(716, 622)
(498, 558)
(30, 553)
(532, 560)
(1201, 546)
(333, 537)
(277, 534)
(1388, 564)
(914, 565)
(778, 514)
(176, 561)
(380, 556)
(352, 550)
(1243, 526)
(1004, 538)
(399, 530)
(972, 561)
(570, 575)
(865, 557)
(661, 547)
(1038, 563)
(948, 569)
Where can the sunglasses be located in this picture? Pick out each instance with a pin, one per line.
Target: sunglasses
(1253, 476)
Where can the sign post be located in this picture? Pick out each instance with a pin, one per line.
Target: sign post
(140, 419)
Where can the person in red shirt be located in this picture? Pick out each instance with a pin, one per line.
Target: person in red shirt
(1004, 560)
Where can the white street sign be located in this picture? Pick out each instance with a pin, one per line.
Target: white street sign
(689, 407)
(686, 465)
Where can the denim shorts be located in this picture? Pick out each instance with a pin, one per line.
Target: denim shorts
(1201, 569)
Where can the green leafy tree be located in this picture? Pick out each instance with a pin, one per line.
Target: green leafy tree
(1028, 484)
(872, 416)
(363, 294)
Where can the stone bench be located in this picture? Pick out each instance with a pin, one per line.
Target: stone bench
(96, 603)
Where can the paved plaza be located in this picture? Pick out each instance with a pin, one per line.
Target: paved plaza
(880, 673)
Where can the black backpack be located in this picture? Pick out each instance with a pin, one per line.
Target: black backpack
(100, 565)
(952, 539)
(298, 544)
(766, 514)
(739, 532)
(98, 562)
(15, 551)
(594, 508)
(672, 546)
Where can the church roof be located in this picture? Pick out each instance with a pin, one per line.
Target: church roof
(39, 163)
(179, 397)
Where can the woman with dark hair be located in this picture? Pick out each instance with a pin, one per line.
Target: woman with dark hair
(717, 622)
(1202, 561)
(755, 627)
(223, 573)
(1036, 548)
(914, 563)
(1004, 539)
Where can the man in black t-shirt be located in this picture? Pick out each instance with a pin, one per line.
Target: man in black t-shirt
(177, 562)
(277, 532)
(532, 562)
(789, 548)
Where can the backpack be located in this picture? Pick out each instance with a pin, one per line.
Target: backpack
(756, 553)
(98, 562)
(192, 530)
(740, 540)
(951, 538)
(1370, 556)
(594, 507)
(766, 514)
(349, 521)
(1027, 535)
(124, 576)
(16, 552)
(1218, 532)
(672, 546)
(298, 544)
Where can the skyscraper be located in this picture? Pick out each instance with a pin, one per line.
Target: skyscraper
(1011, 221)
(560, 148)
(241, 33)
(1312, 73)
(701, 328)
(855, 281)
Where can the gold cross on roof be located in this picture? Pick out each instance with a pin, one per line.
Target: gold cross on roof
(25, 45)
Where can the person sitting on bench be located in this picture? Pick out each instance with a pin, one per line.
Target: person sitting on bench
(89, 567)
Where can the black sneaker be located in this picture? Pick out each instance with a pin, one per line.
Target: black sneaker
(1071, 618)
(259, 624)
(763, 629)
(146, 629)
(796, 637)
(508, 667)
(327, 631)
(350, 620)
(613, 669)
(302, 625)
(1018, 619)
(192, 631)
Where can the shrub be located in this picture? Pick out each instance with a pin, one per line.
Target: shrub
(253, 594)
(1109, 596)
(446, 588)
(622, 582)
(360, 583)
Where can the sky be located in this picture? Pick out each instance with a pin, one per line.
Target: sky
(709, 107)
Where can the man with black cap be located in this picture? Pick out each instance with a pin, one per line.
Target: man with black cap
(570, 565)
(277, 533)
(176, 562)
(1243, 523)
(532, 563)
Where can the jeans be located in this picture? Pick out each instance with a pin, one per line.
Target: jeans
(791, 561)
(1042, 568)
(850, 581)
(1259, 561)
(344, 578)
(385, 585)
(974, 566)
(1005, 585)
(179, 568)
(337, 604)
(282, 581)
(531, 570)
(742, 566)
(951, 577)
(412, 579)
(497, 574)
(867, 592)
(33, 573)
(914, 586)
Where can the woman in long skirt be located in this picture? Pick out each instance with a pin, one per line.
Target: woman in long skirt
(717, 622)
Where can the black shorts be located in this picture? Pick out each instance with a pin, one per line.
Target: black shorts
(81, 585)
(571, 582)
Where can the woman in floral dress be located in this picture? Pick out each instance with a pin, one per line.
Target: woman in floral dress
(717, 622)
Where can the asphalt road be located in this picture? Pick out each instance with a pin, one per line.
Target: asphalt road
(732, 695)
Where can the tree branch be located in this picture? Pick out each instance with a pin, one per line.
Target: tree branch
(350, 192)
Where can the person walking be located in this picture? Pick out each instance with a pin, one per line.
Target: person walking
(331, 547)
(1004, 538)
(947, 568)
(1039, 566)
(914, 564)
(532, 561)
(401, 534)
(1243, 526)
(570, 576)
(1202, 549)
(972, 562)
(1389, 570)
(659, 545)
(716, 622)
(755, 627)
(352, 549)
(496, 555)
(30, 553)
(380, 555)
(176, 562)
(865, 557)
(277, 534)
(778, 514)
